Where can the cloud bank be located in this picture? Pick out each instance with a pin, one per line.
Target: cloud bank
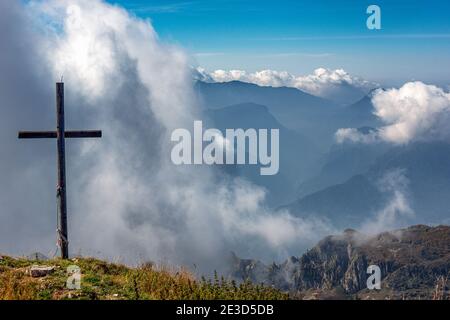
(126, 199)
(335, 85)
(414, 112)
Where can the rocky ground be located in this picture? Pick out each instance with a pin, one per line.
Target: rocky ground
(414, 263)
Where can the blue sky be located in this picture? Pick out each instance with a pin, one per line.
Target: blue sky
(301, 35)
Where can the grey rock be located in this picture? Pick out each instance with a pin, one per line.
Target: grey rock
(41, 271)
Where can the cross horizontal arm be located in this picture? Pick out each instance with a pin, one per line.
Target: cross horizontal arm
(83, 134)
(37, 134)
(53, 135)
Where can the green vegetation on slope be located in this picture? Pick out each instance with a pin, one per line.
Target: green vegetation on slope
(102, 280)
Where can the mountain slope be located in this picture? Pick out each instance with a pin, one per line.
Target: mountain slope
(343, 205)
(314, 117)
(216, 95)
(309, 115)
(292, 148)
(426, 170)
(359, 114)
(341, 162)
(411, 262)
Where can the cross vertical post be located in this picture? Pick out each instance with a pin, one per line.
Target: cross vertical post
(61, 188)
(61, 134)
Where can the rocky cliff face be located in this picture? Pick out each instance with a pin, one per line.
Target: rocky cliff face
(411, 261)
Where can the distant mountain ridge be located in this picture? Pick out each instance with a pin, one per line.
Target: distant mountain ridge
(315, 117)
(293, 108)
(216, 95)
(348, 203)
(320, 176)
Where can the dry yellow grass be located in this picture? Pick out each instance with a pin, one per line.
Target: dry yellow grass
(107, 281)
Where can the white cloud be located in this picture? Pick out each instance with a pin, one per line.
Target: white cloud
(354, 135)
(323, 82)
(397, 211)
(263, 78)
(414, 112)
(321, 78)
(126, 197)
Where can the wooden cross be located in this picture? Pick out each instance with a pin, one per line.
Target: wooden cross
(60, 134)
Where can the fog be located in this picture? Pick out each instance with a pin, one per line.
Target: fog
(126, 200)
